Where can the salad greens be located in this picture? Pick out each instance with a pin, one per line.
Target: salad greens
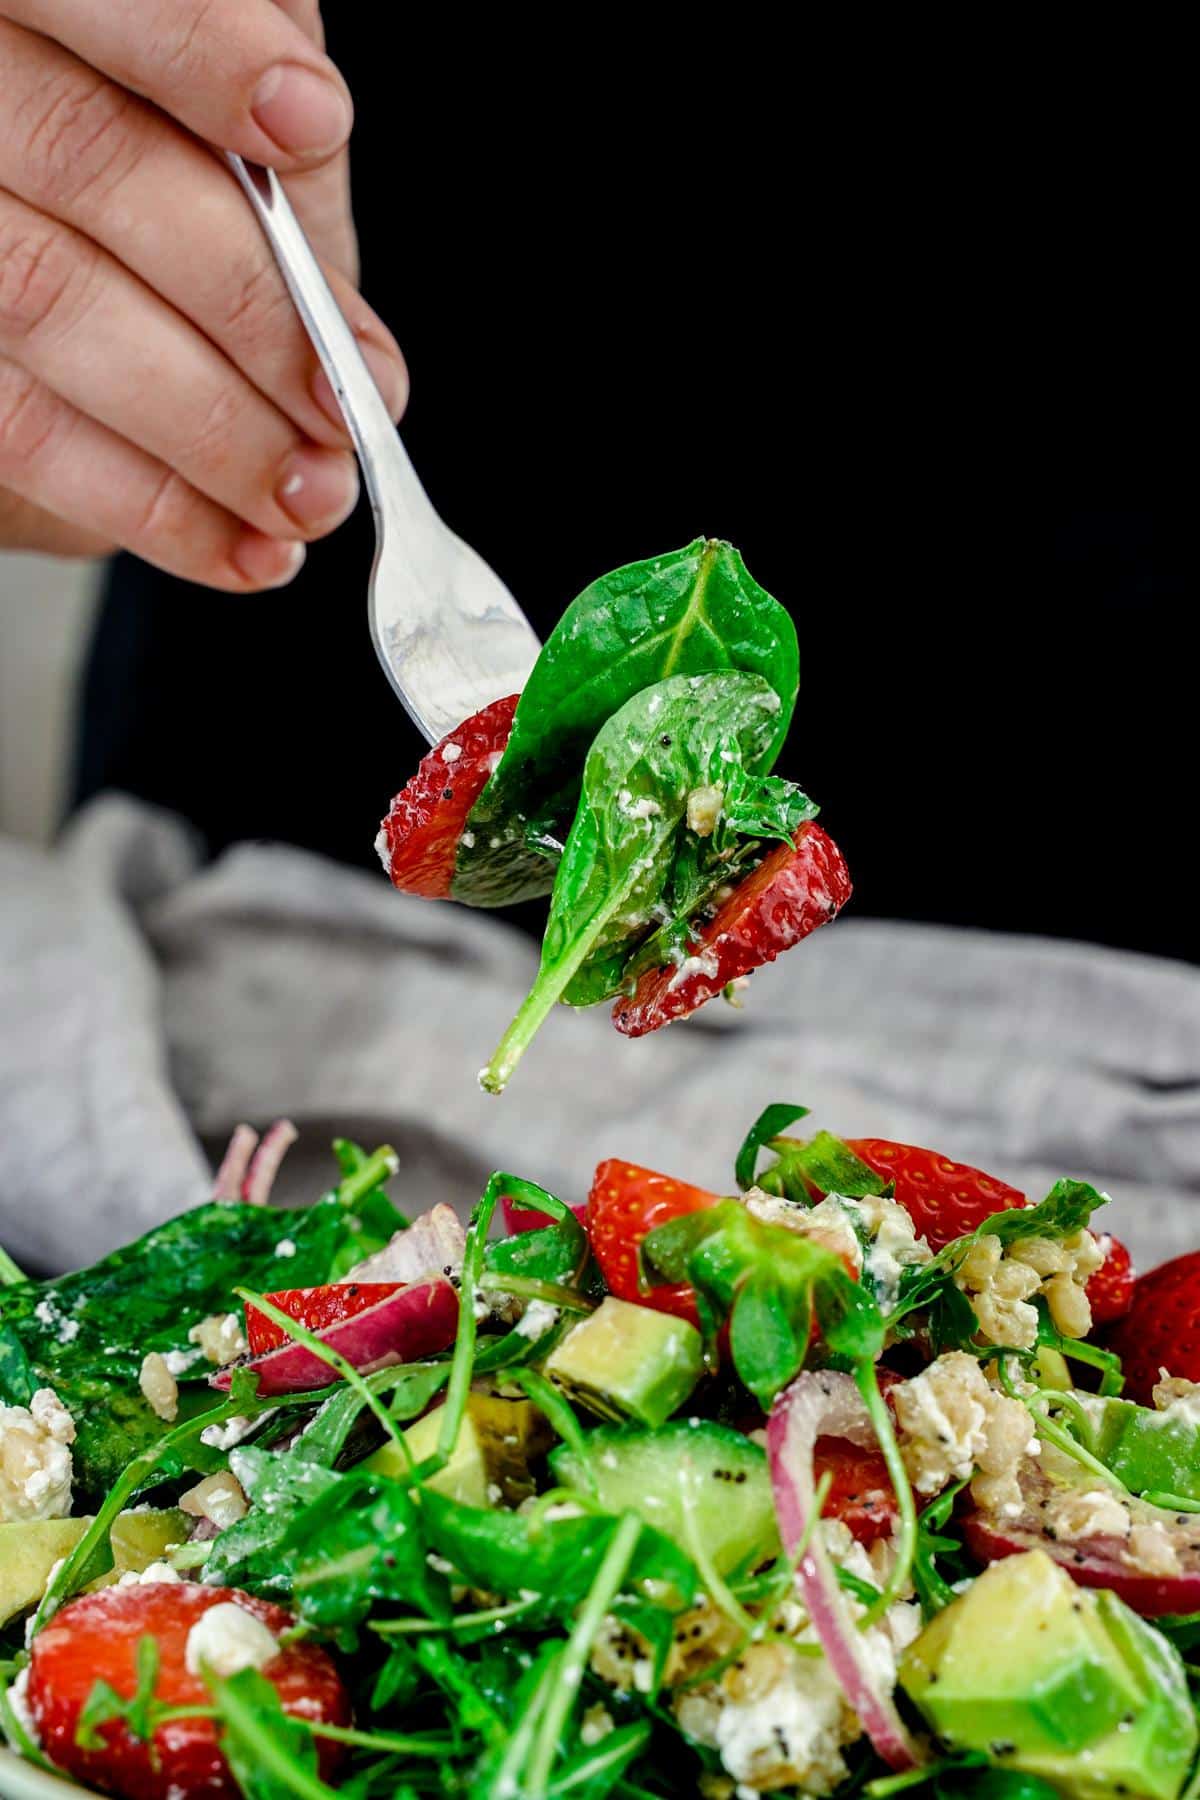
(641, 1614)
(631, 860)
(694, 611)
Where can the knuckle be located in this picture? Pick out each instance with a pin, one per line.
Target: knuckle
(258, 310)
(38, 273)
(165, 514)
(184, 53)
(77, 134)
(28, 419)
(215, 429)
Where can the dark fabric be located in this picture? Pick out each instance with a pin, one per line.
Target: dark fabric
(963, 487)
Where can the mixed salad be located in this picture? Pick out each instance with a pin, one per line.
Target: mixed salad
(631, 781)
(869, 1477)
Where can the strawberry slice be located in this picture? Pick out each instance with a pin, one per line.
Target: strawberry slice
(944, 1199)
(796, 888)
(315, 1307)
(418, 841)
(861, 1493)
(1161, 1329)
(625, 1204)
(95, 1638)
(1110, 1290)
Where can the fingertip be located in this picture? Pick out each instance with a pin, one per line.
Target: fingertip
(306, 113)
(260, 562)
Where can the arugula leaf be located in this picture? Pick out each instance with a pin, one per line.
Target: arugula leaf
(780, 1277)
(933, 1590)
(507, 1553)
(693, 611)
(771, 1121)
(272, 1756)
(684, 733)
(104, 1704)
(1065, 1210)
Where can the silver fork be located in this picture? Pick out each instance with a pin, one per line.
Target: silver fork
(449, 634)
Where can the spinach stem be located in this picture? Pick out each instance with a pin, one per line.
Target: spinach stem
(300, 1334)
(377, 1168)
(492, 1615)
(528, 1287)
(574, 1657)
(10, 1275)
(868, 1386)
(459, 1384)
(546, 1397)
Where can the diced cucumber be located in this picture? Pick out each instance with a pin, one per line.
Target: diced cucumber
(647, 1472)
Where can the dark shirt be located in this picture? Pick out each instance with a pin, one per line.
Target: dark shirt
(616, 347)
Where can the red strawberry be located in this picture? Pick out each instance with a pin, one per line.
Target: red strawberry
(625, 1204)
(861, 1495)
(1110, 1290)
(793, 891)
(419, 839)
(1161, 1330)
(95, 1638)
(315, 1307)
(944, 1199)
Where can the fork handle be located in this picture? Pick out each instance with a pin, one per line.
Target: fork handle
(385, 462)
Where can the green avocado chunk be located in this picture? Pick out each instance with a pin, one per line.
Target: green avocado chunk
(628, 1362)
(495, 1444)
(1151, 1452)
(728, 1485)
(1057, 1681)
(30, 1548)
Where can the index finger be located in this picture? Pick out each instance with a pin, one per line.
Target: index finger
(240, 73)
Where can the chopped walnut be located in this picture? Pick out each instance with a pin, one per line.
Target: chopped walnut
(159, 1387)
(1002, 1284)
(1172, 1393)
(220, 1337)
(952, 1424)
(218, 1498)
(1082, 1513)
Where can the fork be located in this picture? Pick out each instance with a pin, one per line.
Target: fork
(449, 634)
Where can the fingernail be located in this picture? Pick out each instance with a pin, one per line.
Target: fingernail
(388, 373)
(301, 111)
(266, 562)
(317, 489)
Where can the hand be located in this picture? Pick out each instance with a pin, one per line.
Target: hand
(157, 390)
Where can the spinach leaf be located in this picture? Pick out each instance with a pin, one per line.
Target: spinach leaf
(507, 1553)
(85, 1334)
(693, 611)
(683, 734)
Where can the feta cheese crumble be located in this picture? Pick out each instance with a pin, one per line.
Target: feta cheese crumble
(536, 1320)
(218, 1498)
(704, 809)
(227, 1639)
(220, 1337)
(35, 1459)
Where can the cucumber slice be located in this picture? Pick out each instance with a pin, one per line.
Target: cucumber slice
(643, 1472)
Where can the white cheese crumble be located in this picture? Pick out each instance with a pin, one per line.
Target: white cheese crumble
(1178, 1397)
(180, 1361)
(595, 1725)
(451, 752)
(35, 1459)
(159, 1386)
(220, 1337)
(1095, 1512)
(224, 1437)
(153, 1574)
(285, 1247)
(827, 1223)
(382, 851)
(536, 1320)
(468, 840)
(704, 809)
(18, 1699)
(227, 1639)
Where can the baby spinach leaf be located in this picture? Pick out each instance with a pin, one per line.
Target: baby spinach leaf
(680, 735)
(693, 611)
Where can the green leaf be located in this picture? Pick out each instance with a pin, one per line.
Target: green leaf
(104, 1704)
(933, 1589)
(1065, 1210)
(682, 734)
(693, 611)
(771, 1121)
(769, 1333)
(273, 1757)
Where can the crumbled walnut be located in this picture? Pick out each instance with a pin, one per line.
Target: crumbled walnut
(952, 1423)
(1090, 1512)
(159, 1387)
(218, 1498)
(1002, 1284)
(1150, 1550)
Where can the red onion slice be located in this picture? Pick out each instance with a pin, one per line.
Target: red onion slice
(411, 1323)
(825, 1404)
(227, 1184)
(431, 1245)
(264, 1164)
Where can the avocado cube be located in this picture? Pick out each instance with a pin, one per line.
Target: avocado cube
(1056, 1681)
(29, 1549)
(496, 1441)
(1151, 1452)
(628, 1362)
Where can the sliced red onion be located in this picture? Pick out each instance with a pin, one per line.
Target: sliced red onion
(516, 1219)
(825, 1404)
(264, 1164)
(227, 1184)
(1100, 1562)
(414, 1322)
(431, 1245)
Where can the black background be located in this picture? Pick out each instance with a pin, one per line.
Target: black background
(935, 400)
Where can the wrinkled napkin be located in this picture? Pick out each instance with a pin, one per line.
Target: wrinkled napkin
(149, 1002)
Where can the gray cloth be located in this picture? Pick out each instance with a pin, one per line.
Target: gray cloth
(147, 1004)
